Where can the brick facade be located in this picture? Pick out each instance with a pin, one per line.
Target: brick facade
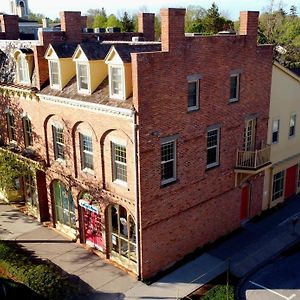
(203, 204)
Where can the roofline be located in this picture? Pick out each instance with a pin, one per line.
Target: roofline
(286, 70)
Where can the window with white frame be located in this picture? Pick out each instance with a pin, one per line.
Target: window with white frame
(54, 73)
(23, 69)
(119, 162)
(278, 181)
(213, 144)
(27, 127)
(193, 95)
(11, 126)
(275, 131)
(58, 142)
(292, 127)
(168, 160)
(116, 81)
(234, 87)
(82, 77)
(86, 143)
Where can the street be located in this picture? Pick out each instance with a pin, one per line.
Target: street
(278, 280)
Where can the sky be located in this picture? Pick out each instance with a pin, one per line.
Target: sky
(231, 8)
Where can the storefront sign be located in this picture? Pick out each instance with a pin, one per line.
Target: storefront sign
(85, 204)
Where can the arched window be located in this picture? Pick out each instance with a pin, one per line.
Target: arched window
(122, 233)
(23, 71)
(64, 205)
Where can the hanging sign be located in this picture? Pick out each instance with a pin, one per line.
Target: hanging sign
(85, 204)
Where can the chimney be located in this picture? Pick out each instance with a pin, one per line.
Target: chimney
(83, 22)
(172, 27)
(45, 22)
(146, 25)
(10, 25)
(71, 25)
(249, 23)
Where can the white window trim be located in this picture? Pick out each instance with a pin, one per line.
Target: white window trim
(116, 96)
(114, 179)
(27, 146)
(196, 107)
(283, 186)
(164, 141)
(217, 163)
(238, 75)
(59, 85)
(87, 91)
(276, 142)
(54, 138)
(291, 116)
(27, 69)
(82, 152)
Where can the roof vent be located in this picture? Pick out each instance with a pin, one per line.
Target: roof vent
(227, 32)
(136, 39)
(99, 30)
(113, 29)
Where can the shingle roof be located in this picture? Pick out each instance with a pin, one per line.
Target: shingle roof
(124, 50)
(64, 50)
(95, 50)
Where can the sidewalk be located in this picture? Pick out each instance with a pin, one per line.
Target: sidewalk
(256, 243)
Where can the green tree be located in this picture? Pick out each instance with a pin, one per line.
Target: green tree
(112, 21)
(36, 17)
(126, 23)
(293, 11)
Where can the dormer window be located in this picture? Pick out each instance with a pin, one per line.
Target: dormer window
(54, 74)
(24, 65)
(116, 82)
(83, 77)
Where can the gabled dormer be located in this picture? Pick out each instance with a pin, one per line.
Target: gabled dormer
(60, 63)
(24, 65)
(91, 69)
(120, 74)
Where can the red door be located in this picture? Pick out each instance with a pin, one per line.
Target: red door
(93, 229)
(290, 182)
(244, 214)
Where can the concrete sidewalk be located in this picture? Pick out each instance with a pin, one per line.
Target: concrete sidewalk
(253, 245)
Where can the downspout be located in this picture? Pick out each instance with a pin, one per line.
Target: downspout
(136, 192)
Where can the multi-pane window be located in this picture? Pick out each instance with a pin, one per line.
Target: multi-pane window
(213, 139)
(11, 125)
(249, 135)
(27, 132)
(58, 142)
(83, 83)
(193, 95)
(22, 66)
(54, 73)
(168, 161)
(278, 180)
(292, 127)
(116, 81)
(234, 87)
(119, 161)
(86, 152)
(275, 131)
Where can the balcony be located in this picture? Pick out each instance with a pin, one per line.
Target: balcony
(252, 162)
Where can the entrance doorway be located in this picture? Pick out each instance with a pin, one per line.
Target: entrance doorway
(91, 220)
(245, 199)
(290, 182)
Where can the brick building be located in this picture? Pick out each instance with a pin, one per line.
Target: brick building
(149, 149)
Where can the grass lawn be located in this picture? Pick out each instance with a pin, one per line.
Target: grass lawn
(28, 278)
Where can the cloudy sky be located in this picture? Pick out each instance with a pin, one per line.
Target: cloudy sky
(230, 7)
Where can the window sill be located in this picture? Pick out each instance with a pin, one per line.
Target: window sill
(292, 137)
(211, 167)
(61, 161)
(234, 100)
(192, 109)
(121, 183)
(169, 182)
(88, 171)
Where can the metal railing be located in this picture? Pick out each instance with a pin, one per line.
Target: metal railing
(253, 159)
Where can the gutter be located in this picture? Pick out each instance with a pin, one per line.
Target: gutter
(136, 191)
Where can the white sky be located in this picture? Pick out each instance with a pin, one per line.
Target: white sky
(230, 7)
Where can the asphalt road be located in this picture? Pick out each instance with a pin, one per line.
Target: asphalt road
(278, 280)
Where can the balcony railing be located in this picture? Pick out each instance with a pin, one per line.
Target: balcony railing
(253, 160)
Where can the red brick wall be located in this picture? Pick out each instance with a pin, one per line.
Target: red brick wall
(203, 204)
(146, 25)
(10, 25)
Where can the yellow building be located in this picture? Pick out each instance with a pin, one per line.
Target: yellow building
(282, 180)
